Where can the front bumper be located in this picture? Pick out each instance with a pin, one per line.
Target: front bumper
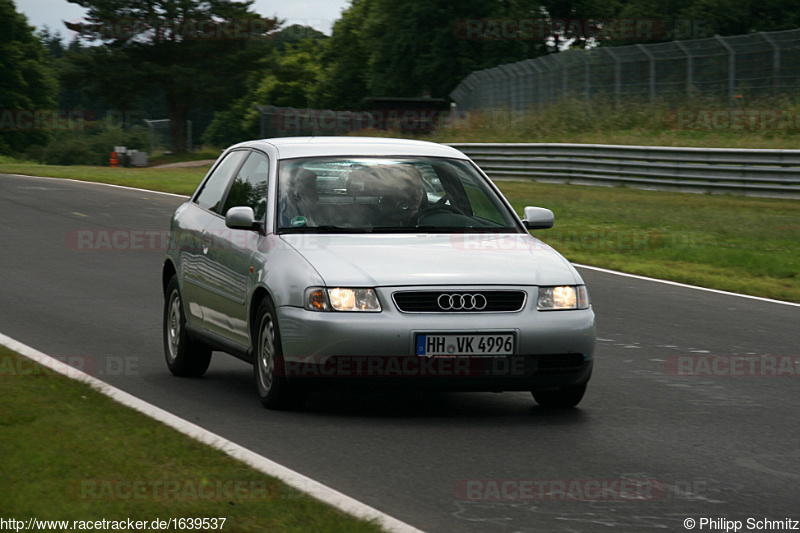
(553, 349)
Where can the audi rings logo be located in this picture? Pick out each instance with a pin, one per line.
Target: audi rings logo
(462, 302)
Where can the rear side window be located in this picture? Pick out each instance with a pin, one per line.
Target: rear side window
(213, 190)
(249, 188)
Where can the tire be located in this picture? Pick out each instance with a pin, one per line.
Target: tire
(560, 398)
(273, 388)
(185, 356)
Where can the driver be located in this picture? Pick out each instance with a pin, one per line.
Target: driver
(403, 195)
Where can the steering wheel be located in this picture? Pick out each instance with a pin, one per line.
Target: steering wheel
(439, 206)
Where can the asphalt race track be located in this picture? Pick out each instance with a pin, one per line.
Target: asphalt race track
(661, 447)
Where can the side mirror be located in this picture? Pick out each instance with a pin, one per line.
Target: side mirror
(240, 218)
(538, 218)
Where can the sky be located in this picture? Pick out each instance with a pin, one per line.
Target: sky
(319, 14)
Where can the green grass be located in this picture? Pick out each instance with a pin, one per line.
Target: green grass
(71, 453)
(740, 244)
(733, 243)
(174, 180)
(198, 155)
(634, 123)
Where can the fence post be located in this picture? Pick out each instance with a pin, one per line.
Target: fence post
(587, 80)
(689, 67)
(617, 76)
(517, 87)
(528, 88)
(776, 60)
(539, 84)
(731, 70)
(539, 80)
(652, 60)
(150, 127)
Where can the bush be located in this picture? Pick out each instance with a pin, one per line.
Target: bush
(92, 147)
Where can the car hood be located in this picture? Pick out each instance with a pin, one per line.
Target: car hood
(433, 259)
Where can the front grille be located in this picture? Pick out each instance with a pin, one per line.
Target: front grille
(464, 301)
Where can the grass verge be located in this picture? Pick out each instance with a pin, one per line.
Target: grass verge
(697, 122)
(734, 243)
(71, 453)
(197, 155)
(174, 180)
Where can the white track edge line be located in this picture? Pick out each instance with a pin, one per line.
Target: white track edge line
(598, 269)
(97, 183)
(684, 285)
(294, 479)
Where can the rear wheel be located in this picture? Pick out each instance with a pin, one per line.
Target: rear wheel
(185, 356)
(273, 388)
(560, 398)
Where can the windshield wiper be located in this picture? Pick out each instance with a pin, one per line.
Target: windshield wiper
(325, 228)
(414, 229)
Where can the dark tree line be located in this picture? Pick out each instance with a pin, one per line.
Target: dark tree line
(182, 57)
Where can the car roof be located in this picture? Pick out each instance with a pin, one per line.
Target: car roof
(292, 147)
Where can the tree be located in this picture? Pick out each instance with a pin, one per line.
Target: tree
(193, 51)
(26, 83)
(285, 82)
(417, 47)
(344, 81)
(294, 35)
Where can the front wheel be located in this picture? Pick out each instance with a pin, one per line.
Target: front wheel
(185, 356)
(273, 388)
(560, 398)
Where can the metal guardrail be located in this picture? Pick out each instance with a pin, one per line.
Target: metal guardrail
(751, 172)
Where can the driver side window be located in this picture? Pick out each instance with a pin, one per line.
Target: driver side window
(249, 189)
(214, 188)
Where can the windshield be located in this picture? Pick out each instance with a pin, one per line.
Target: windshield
(391, 195)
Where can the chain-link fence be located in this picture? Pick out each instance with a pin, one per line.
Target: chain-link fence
(161, 135)
(766, 63)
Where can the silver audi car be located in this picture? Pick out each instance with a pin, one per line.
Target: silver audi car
(330, 261)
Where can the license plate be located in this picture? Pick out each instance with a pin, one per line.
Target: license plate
(465, 344)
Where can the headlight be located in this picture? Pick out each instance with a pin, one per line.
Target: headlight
(563, 297)
(341, 299)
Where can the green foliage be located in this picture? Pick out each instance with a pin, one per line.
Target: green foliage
(416, 47)
(294, 35)
(191, 51)
(388, 48)
(26, 82)
(286, 83)
(344, 80)
(91, 147)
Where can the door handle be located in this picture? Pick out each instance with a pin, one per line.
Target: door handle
(205, 240)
